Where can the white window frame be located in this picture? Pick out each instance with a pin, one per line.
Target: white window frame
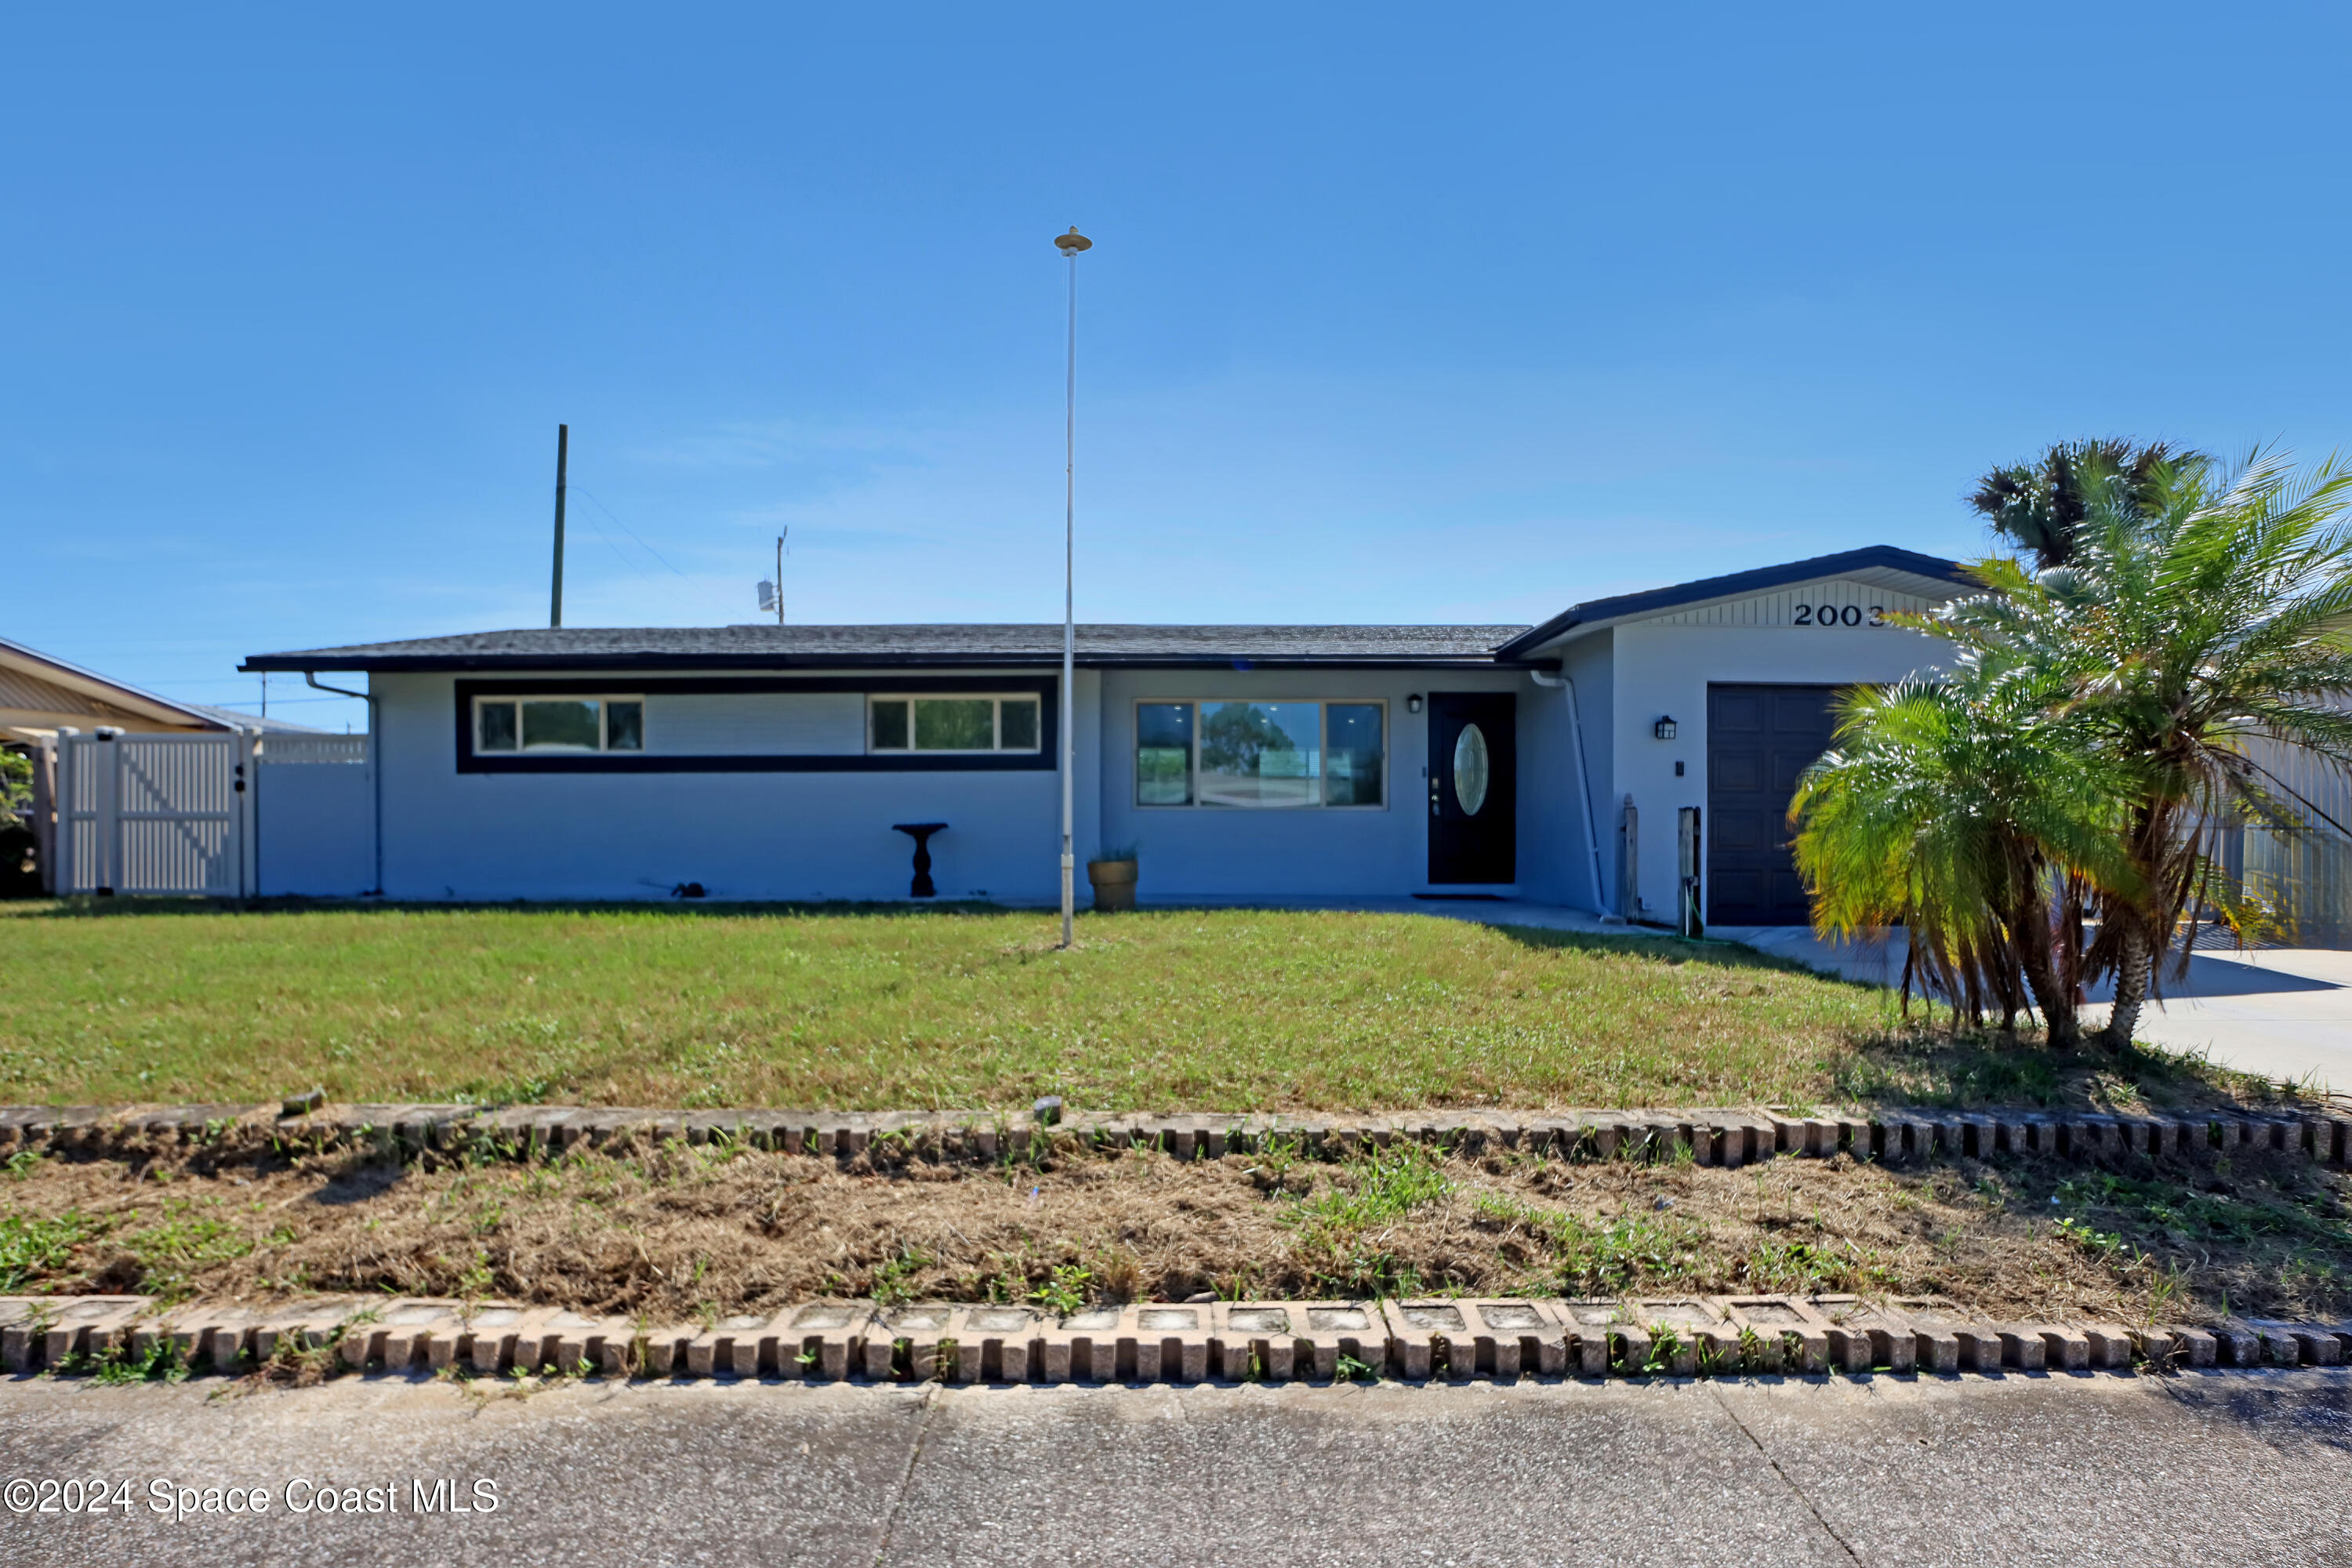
(604, 701)
(996, 723)
(1322, 772)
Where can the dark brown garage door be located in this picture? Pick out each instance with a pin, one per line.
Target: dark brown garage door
(1759, 739)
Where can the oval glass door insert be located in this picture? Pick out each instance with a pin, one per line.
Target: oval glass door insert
(1470, 770)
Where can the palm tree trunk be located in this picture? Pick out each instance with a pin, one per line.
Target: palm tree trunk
(2029, 933)
(2134, 964)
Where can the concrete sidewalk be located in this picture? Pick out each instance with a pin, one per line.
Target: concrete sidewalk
(2218, 1468)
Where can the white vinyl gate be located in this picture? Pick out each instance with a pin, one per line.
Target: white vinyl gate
(156, 814)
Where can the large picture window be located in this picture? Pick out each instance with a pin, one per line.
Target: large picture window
(518, 724)
(953, 722)
(1260, 756)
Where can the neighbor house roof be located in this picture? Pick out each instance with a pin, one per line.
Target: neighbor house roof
(1930, 576)
(762, 646)
(244, 720)
(39, 692)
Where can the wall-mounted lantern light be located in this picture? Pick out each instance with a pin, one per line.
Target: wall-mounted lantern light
(1665, 728)
(1413, 703)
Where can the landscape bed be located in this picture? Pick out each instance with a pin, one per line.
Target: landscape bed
(674, 1231)
(1217, 1010)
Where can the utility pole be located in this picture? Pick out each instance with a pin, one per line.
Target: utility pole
(779, 577)
(1069, 245)
(562, 451)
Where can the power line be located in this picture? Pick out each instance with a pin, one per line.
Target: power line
(624, 527)
(284, 701)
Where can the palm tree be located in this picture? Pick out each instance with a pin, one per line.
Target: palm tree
(2042, 504)
(2195, 609)
(1965, 808)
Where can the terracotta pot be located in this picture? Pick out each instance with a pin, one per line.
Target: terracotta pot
(1114, 883)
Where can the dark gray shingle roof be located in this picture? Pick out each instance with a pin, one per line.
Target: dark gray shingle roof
(757, 647)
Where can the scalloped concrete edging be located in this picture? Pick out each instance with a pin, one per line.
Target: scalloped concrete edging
(1713, 1136)
(1417, 1339)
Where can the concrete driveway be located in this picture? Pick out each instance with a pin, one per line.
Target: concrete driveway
(2281, 1013)
(2226, 1467)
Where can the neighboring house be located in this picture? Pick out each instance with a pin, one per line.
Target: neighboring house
(47, 705)
(41, 694)
(765, 762)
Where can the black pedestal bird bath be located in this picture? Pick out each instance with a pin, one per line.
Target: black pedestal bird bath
(920, 832)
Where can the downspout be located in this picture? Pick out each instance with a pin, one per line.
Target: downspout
(1583, 776)
(375, 773)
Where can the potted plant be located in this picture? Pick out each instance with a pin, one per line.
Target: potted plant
(1112, 872)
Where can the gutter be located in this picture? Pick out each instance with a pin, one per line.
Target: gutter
(1583, 777)
(739, 663)
(375, 775)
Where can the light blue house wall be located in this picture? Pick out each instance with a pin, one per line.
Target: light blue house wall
(1590, 663)
(769, 800)
(752, 836)
(1206, 853)
(1664, 666)
(451, 835)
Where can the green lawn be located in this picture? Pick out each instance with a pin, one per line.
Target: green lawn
(856, 1008)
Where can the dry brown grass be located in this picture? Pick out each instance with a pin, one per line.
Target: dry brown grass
(677, 1233)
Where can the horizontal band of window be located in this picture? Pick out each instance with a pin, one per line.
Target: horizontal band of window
(765, 685)
(471, 760)
(775, 763)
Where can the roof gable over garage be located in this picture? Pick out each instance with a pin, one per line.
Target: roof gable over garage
(1881, 577)
(1834, 601)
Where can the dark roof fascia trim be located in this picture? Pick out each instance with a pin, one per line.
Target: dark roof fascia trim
(1762, 580)
(430, 663)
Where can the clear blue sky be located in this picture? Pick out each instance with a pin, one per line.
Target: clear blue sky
(1416, 314)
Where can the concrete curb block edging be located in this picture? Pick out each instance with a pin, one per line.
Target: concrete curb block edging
(1731, 1137)
(1419, 1340)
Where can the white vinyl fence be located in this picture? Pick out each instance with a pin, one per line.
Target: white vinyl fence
(226, 817)
(155, 814)
(2303, 873)
(312, 817)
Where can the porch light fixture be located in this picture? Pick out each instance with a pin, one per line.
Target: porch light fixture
(1413, 703)
(1665, 728)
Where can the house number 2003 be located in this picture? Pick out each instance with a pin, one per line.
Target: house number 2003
(1833, 616)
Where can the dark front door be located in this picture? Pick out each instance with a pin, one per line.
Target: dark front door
(1759, 739)
(1474, 798)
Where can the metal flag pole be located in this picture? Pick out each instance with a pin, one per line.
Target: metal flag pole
(1069, 245)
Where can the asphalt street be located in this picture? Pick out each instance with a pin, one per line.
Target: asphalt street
(2222, 1467)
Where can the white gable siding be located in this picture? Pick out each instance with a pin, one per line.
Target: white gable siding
(1783, 606)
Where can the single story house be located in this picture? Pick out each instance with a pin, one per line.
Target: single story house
(1632, 756)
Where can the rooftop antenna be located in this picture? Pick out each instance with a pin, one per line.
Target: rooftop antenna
(772, 595)
(562, 451)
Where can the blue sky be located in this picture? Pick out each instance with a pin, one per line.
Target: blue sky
(1416, 314)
